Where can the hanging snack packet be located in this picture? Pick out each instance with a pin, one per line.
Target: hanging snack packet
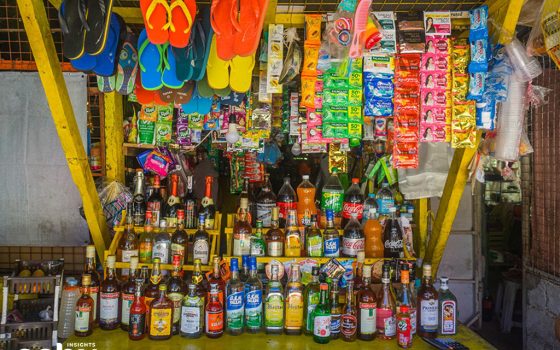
(476, 86)
(146, 124)
(411, 32)
(165, 113)
(163, 132)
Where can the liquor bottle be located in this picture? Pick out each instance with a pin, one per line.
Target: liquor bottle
(145, 275)
(266, 200)
(190, 205)
(406, 298)
(192, 314)
(155, 202)
(176, 290)
(179, 239)
(314, 239)
(173, 203)
(293, 244)
(242, 231)
(385, 199)
(427, 314)
(358, 273)
(253, 299)
(207, 206)
(146, 240)
(152, 290)
(332, 195)
(258, 245)
(247, 195)
(95, 279)
(85, 310)
(128, 244)
(322, 317)
(162, 245)
(138, 199)
(393, 236)
(274, 304)
(109, 298)
(369, 203)
(349, 319)
(385, 316)
(353, 202)
(353, 239)
(197, 280)
(310, 300)
(274, 237)
(137, 314)
(306, 201)
(201, 242)
(367, 308)
(447, 304)
(373, 232)
(336, 310)
(214, 316)
(294, 302)
(244, 273)
(235, 291)
(127, 293)
(216, 278)
(287, 200)
(404, 328)
(160, 316)
(331, 237)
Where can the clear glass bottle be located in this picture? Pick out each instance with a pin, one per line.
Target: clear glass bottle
(406, 298)
(155, 202)
(336, 310)
(94, 279)
(274, 237)
(258, 245)
(286, 200)
(162, 245)
(293, 243)
(176, 290)
(83, 323)
(192, 314)
(235, 299)
(190, 205)
(349, 319)
(201, 242)
(274, 304)
(160, 316)
(152, 289)
(294, 302)
(207, 206)
(109, 298)
(173, 202)
(128, 291)
(367, 304)
(386, 322)
(331, 237)
(242, 231)
(322, 317)
(427, 316)
(197, 279)
(253, 299)
(314, 239)
(311, 300)
(266, 200)
(447, 304)
(128, 244)
(216, 278)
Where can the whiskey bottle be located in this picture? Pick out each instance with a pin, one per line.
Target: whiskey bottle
(201, 242)
(242, 231)
(161, 316)
(176, 290)
(274, 237)
(85, 310)
(95, 280)
(128, 244)
(367, 305)
(127, 293)
(427, 316)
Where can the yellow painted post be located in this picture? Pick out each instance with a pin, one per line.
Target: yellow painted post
(114, 138)
(505, 14)
(270, 13)
(452, 193)
(421, 220)
(40, 39)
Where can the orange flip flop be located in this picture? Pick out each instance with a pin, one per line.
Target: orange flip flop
(181, 21)
(143, 96)
(156, 14)
(222, 15)
(251, 20)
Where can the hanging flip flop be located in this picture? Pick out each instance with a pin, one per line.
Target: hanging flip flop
(167, 94)
(150, 59)
(241, 73)
(183, 13)
(251, 20)
(127, 66)
(158, 100)
(85, 63)
(106, 84)
(98, 20)
(106, 61)
(217, 69)
(143, 96)
(184, 94)
(157, 19)
(73, 24)
(204, 89)
(169, 77)
(221, 14)
(204, 105)
(203, 38)
(192, 105)
(184, 62)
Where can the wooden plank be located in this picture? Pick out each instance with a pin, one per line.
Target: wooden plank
(40, 39)
(421, 220)
(114, 137)
(131, 15)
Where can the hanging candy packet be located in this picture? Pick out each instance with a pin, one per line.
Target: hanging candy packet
(411, 32)
(477, 83)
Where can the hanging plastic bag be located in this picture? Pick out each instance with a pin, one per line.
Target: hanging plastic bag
(292, 62)
(535, 42)
(114, 196)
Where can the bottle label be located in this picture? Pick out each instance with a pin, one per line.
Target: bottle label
(322, 326)
(332, 247)
(127, 300)
(145, 253)
(404, 331)
(241, 244)
(160, 322)
(332, 200)
(429, 315)
(178, 249)
(190, 214)
(234, 310)
(367, 318)
(335, 324)
(312, 301)
(413, 321)
(253, 309)
(275, 248)
(294, 311)
(315, 246)
(161, 251)
(284, 207)
(81, 323)
(351, 246)
(274, 311)
(257, 247)
(155, 208)
(352, 208)
(109, 307)
(176, 298)
(349, 325)
(94, 294)
(190, 319)
(384, 205)
(137, 325)
(214, 322)
(126, 255)
(385, 320)
(209, 223)
(200, 251)
(264, 213)
(448, 317)
(148, 302)
(293, 245)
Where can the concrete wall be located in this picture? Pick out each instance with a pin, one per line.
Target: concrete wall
(542, 308)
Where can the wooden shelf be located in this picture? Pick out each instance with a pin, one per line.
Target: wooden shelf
(321, 260)
(138, 146)
(122, 265)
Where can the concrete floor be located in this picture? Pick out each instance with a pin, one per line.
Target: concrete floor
(502, 341)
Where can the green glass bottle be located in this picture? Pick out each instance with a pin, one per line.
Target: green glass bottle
(322, 317)
(310, 300)
(274, 304)
(258, 244)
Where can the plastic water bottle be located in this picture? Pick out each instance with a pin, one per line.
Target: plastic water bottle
(369, 203)
(70, 295)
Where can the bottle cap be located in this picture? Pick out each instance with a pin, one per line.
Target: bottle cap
(111, 259)
(245, 260)
(355, 180)
(259, 224)
(244, 203)
(404, 309)
(324, 286)
(156, 260)
(90, 251)
(234, 264)
(134, 262)
(201, 218)
(176, 260)
(86, 279)
(305, 177)
(334, 171)
(71, 281)
(162, 286)
(253, 263)
(361, 257)
(427, 270)
(197, 261)
(330, 215)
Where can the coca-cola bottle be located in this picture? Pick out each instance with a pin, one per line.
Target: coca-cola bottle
(353, 202)
(287, 200)
(266, 200)
(392, 236)
(353, 240)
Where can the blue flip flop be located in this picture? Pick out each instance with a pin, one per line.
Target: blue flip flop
(203, 33)
(192, 105)
(169, 77)
(204, 104)
(150, 58)
(85, 63)
(107, 60)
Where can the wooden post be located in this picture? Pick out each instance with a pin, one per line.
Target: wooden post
(40, 39)
(114, 158)
(421, 220)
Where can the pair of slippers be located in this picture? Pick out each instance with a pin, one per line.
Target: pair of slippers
(165, 95)
(124, 79)
(235, 73)
(227, 96)
(198, 103)
(168, 22)
(237, 26)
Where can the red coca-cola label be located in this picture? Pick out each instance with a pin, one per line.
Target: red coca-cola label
(349, 208)
(351, 246)
(284, 207)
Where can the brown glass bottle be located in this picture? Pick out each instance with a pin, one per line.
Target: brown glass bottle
(128, 244)
(160, 319)
(83, 324)
(367, 304)
(179, 239)
(109, 298)
(336, 310)
(214, 316)
(176, 289)
(427, 315)
(349, 319)
(274, 237)
(216, 278)
(128, 291)
(197, 279)
(358, 273)
(95, 279)
(152, 290)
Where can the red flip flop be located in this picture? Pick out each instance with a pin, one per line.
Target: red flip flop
(182, 18)
(143, 96)
(251, 20)
(222, 15)
(157, 19)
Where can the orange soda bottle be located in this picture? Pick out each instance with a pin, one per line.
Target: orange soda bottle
(373, 233)
(306, 202)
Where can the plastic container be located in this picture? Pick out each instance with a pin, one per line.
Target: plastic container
(306, 201)
(526, 68)
(70, 295)
(510, 122)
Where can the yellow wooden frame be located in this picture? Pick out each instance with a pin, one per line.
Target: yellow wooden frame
(114, 136)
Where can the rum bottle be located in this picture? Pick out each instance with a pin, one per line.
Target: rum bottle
(190, 205)
(128, 244)
(386, 327)
(160, 316)
(207, 206)
(109, 298)
(294, 302)
(447, 303)
(266, 200)
(367, 305)
(216, 278)
(192, 314)
(85, 310)
(127, 293)
(146, 240)
(314, 239)
(197, 280)
(359, 273)
(311, 296)
(137, 314)
(274, 304)
(214, 317)
(322, 317)
(155, 202)
(258, 245)
(293, 241)
(274, 237)
(427, 316)
(253, 299)
(179, 239)
(349, 319)
(331, 237)
(176, 291)
(95, 279)
(162, 245)
(201, 242)
(336, 310)
(152, 290)
(235, 291)
(242, 231)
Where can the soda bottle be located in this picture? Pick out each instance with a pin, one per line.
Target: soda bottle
(332, 195)
(393, 237)
(266, 200)
(369, 203)
(373, 233)
(287, 199)
(353, 202)
(306, 201)
(385, 200)
(331, 238)
(353, 239)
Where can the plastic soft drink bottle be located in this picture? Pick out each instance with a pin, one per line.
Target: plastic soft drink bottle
(286, 200)
(332, 196)
(353, 202)
(70, 295)
(369, 203)
(306, 202)
(373, 231)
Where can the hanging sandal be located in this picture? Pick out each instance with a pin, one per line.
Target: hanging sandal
(73, 24)
(106, 61)
(127, 66)
(221, 14)
(181, 21)
(250, 24)
(202, 39)
(150, 58)
(98, 21)
(169, 77)
(217, 69)
(241, 75)
(143, 96)
(157, 15)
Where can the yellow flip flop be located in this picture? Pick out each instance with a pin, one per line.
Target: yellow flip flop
(217, 69)
(241, 73)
